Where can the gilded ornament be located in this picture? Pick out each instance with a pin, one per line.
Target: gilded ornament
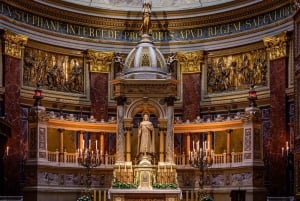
(276, 46)
(100, 62)
(190, 62)
(14, 44)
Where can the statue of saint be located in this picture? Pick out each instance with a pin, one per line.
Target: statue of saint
(145, 136)
(146, 26)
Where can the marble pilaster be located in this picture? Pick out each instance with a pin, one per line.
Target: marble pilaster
(120, 138)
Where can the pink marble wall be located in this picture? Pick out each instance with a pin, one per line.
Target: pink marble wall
(99, 95)
(278, 126)
(191, 95)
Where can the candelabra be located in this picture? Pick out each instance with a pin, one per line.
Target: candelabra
(201, 160)
(89, 160)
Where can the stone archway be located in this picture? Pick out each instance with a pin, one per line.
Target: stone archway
(150, 105)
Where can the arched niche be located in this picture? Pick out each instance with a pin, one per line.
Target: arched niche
(136, 109)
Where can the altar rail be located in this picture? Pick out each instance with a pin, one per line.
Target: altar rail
(218, 160)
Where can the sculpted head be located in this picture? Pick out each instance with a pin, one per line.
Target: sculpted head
(146, 117)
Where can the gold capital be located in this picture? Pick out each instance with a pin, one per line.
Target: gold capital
(276, 46)
(14, 43)
(190, 62)
(100, 62)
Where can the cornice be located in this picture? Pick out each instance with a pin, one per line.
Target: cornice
(161, 20)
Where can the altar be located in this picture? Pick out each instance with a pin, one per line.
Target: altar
(148, 195)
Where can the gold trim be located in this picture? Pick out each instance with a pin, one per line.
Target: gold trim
(207, 127)
(82, 126)
(14, 44)
(276, 46)
(190, 62)
(100, 62)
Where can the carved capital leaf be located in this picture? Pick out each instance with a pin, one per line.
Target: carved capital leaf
(190, 62)
(100, 62)
(276, 46)
(14, 43)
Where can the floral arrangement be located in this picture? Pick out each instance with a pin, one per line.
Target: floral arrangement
(165, 186)
(84, 198)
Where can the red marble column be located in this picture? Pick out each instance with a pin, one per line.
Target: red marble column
(278, 126)
(13, 164)
(99, 95)
(191, 95)
(13, 161)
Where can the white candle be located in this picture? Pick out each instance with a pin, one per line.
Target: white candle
(193, 145)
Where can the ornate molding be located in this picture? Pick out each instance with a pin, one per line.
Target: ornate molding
(190, 62)
(14, 44)
(276, 46)
(100, 62)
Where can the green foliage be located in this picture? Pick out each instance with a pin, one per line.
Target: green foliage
(164, 186)
(84, 198)
(207, 198)
(121, 185)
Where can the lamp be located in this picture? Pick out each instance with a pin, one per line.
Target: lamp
(37, 95)
(252, 96)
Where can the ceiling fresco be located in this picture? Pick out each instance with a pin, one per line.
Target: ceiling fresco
(157, 4)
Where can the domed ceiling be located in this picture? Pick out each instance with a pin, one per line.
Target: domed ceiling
(157, 4)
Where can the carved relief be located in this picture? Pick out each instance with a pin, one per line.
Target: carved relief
(247, 140)
(14, 43)
(42, 139)
(100, 61)
(236, 72)
(53, 71)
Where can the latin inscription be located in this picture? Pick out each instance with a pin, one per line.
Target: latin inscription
(131, 35)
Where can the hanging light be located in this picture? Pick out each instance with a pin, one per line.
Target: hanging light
(252, 96)
(37, 95)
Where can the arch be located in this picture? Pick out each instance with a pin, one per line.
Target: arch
(140, 105)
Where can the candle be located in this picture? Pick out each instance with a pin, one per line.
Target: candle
(193, 145)
(96, 144)
(7, 148)
(282, 150)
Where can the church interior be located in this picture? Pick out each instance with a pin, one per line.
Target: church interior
(150, 100)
